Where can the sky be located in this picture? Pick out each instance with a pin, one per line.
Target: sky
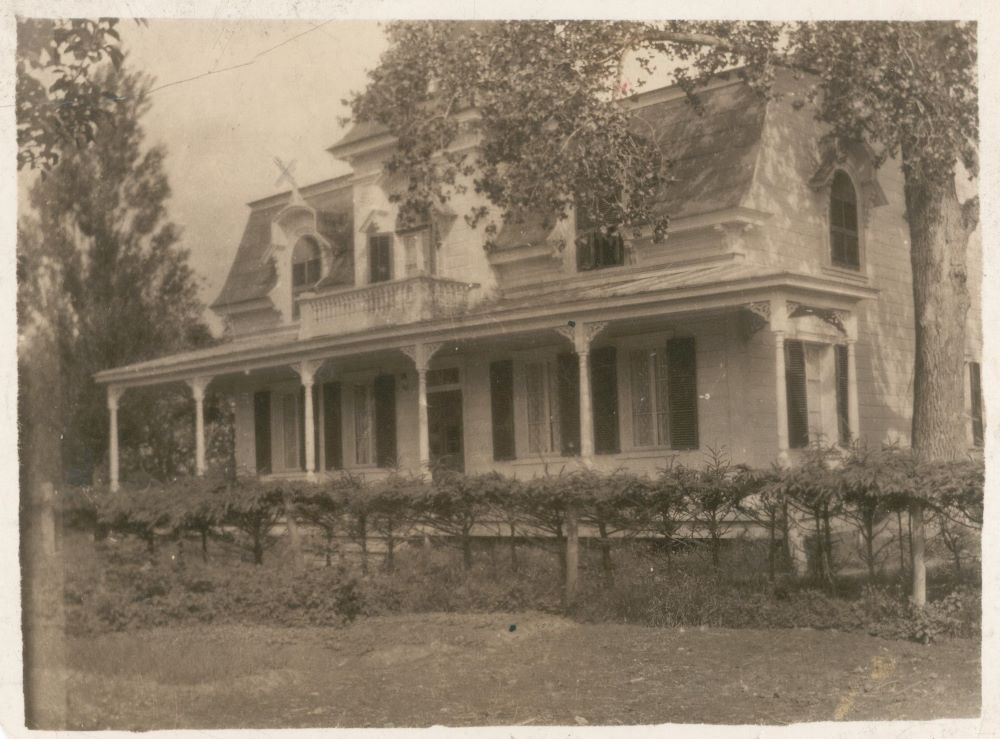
(222, 128)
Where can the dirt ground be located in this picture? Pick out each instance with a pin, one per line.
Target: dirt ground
(462, 670)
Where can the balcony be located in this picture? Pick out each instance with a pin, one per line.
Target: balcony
(410, 300)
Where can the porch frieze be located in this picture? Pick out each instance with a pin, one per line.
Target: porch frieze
(421, 354)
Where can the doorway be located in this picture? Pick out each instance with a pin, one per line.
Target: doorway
(444, 429)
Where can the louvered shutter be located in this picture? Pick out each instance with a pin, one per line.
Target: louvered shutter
(682, 388)
(262, 431)
(333, 449)
(502, 409)
(385, 420)
(843, 416)
(302, 427)
(976, 389)
(604, 393)
(795, 388)
(569, 403)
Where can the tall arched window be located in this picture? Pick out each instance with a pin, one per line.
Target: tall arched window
(306, 265)
(844, 243)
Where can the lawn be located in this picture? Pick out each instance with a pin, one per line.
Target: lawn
(488, 669)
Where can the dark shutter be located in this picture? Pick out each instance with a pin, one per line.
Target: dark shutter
(604, 393)
(682, 392)
(502, 407)
(333, 448)
(976, 390)
(843, 414)
(795, 388)
(568, 369)
(385, 420)
(262, 431)
(302, 427)
(585, 257)
(380, 258)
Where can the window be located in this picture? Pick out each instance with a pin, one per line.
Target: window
(604, 396)
(441, 377)
(650, 412)
(363, 422)
(664, 384)
(306, 267)
(976, 393)
(542, 396)
(418, 249)
(599, 248)
(844, 250)
(816, 392)
(380, 258)
(375, 422)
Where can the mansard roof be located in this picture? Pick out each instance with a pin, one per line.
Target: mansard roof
(712, 155)
(252, 274)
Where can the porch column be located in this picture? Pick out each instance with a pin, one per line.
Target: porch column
(582, 335)
(198, 386)
(307, 373)
(114, 394)
(421, 355)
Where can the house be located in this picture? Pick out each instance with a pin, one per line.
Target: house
(778, 311)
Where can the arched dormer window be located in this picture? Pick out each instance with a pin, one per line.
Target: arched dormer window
(844, 235)
(306, 267)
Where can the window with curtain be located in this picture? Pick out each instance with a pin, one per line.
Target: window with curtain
(650, 414)
(543, 407)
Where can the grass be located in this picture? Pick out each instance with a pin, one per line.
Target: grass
(489, 669)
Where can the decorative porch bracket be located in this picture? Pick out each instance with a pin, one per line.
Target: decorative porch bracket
(421, 355)
(836, 318)
(759, 315)
(582, 335)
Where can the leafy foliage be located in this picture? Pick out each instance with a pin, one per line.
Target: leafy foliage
(60, 102)
(100, 265)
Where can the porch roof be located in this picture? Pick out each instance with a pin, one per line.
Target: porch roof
(666, 291)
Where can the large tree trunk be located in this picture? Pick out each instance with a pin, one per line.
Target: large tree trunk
(42, 575)
(940, 227)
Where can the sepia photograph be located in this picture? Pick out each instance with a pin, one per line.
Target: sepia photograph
(522, 373)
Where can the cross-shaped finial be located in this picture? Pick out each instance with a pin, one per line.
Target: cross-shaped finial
(287, 175)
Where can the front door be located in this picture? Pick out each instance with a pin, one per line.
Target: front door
(444, 427)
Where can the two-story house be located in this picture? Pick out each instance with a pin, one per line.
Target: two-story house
(778, 311)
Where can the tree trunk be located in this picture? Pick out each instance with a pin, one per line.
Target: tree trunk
(466, 551)
(294, 539)
(771, 544)
(40, 421)
(513, 549)
(940, 227)
(869, 534)
(204, 545)
(572, 555)
(606, 564)
(902, 552)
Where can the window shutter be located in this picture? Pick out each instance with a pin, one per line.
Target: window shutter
(682, 388)
(302, 427)
(502, 408)
(568, 371)
(976, 390)
(333, 449)
(795, 387)
(585, 248)
(604, 393)
(380, 258)
(843, 415)
(385, 420)
(262, 431)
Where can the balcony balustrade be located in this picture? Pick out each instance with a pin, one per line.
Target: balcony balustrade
(410, 300)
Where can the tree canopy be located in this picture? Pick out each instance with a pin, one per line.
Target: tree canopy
(102, 262)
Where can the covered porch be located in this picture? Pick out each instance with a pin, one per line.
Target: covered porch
(528, 387)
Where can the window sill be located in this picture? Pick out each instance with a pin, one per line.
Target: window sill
(858, 275)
